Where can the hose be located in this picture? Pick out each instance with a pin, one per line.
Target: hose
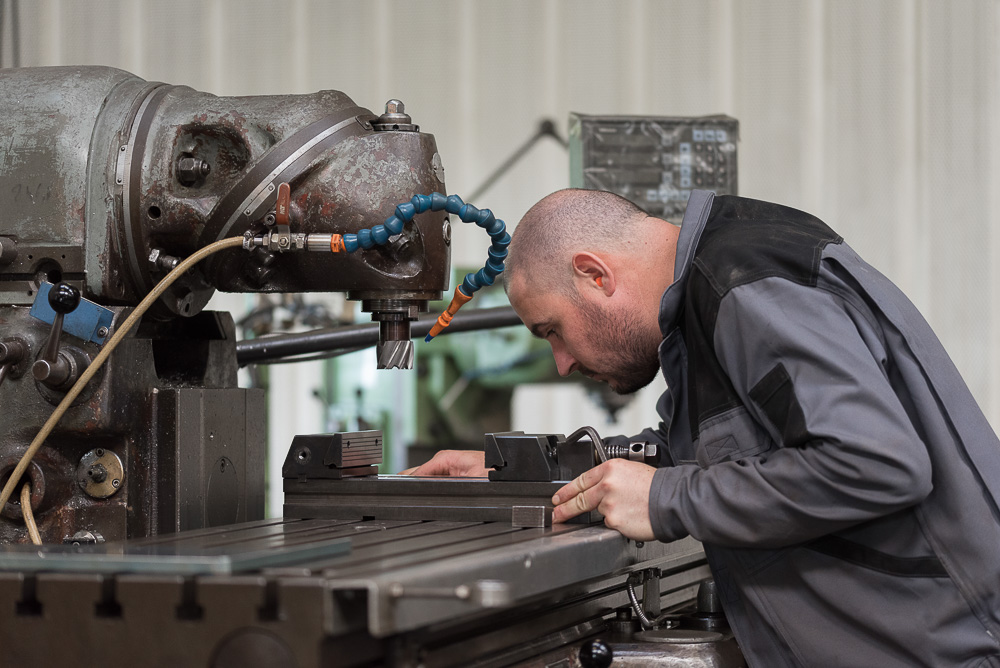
(453, 204)
(646, 622)
(29, 517)
(102, 356)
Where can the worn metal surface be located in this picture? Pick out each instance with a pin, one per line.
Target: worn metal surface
(107, 180)
(166, 405)
(96, 162)
(431, 593)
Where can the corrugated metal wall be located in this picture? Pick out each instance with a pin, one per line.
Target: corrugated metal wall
(880, 116)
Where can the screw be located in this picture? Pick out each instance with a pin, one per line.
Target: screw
(103, 331)
(115, 483)
(99, 452)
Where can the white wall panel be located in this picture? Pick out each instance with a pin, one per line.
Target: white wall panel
(880, 116)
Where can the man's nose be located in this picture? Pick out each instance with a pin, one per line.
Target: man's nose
(565, 363)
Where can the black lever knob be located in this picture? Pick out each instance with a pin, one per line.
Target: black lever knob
(596, 654)
(56, 368)
(64, 298)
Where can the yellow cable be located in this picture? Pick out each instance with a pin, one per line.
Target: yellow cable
(85, 377)
(29, 518)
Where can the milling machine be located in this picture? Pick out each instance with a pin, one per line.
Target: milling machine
(108, 181)
(112, 185)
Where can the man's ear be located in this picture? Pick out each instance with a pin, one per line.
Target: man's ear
(591, 272)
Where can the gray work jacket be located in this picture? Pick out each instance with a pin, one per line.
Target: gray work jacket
(824, 449)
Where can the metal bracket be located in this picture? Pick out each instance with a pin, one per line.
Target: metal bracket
(89, 321)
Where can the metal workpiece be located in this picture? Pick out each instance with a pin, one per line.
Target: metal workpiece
(173, 169)
(399, 497)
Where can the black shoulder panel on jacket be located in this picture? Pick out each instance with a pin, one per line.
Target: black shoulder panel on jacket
(744, 240)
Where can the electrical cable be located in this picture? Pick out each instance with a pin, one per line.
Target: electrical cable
(102, 356)
(29, 517)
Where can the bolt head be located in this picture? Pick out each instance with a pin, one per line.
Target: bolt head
(394, 107)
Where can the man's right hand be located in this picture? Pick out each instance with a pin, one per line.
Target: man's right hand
(456, 463)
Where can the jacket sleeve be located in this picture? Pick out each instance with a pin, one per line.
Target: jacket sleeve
(809, 367)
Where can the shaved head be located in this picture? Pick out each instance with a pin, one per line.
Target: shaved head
(563, 223)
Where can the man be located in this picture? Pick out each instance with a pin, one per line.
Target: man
(819, 441)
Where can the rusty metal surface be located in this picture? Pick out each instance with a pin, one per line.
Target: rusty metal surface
(89, 193)
(167, 406)
(100, 171)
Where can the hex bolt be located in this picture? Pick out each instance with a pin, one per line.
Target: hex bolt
(192, 171)
(395, 106)
(103, 331)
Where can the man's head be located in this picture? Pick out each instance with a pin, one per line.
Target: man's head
(585, 272)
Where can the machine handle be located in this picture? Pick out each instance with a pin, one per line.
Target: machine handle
(284, 200)
(596, 654)
(52, 368)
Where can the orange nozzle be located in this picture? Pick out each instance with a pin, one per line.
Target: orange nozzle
(337, 243)
(444, 319)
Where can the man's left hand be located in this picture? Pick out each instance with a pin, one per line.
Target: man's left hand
(618, 489)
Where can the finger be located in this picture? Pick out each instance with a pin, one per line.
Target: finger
(582, 483)
(408, 471)
(584, 502)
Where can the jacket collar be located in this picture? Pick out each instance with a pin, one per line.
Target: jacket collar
(695, 217)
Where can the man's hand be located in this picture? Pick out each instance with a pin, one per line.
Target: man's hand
(618, 489)
(457, 463)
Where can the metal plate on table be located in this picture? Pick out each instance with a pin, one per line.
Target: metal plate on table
(168, 558)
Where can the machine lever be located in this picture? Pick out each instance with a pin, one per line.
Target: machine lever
(56, 368)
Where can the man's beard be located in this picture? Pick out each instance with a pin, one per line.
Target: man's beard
(631, 360)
